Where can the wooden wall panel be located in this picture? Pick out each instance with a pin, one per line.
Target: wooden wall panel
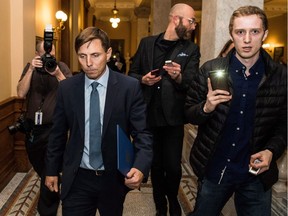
(13, 157)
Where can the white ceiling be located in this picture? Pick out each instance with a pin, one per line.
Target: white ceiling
(103, 8)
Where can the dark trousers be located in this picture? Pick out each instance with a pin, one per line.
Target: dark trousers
(166, 166)
(36, 149)
(90, 193)
(250, 198)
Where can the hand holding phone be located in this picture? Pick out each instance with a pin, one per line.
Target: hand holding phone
(253, 170)
(155, 72)
(168, 63)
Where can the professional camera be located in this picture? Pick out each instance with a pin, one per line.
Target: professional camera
(21, 125)
(49, 61)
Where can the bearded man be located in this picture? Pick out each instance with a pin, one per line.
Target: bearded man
(164, 87)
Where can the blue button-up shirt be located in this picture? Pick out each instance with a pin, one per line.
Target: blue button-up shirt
(230, 163)
(102, 89)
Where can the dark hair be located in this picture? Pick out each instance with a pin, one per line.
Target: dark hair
(247, 11)
(89, 34)
(225, 48)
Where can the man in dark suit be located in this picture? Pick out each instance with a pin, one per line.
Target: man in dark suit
(165, 92)
(85, 187)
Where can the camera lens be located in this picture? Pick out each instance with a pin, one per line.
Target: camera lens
(50, 65)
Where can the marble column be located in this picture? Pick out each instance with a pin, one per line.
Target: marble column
(75, 28)
(142, 13)
(280, 188)
(214, 24)
(159, 15)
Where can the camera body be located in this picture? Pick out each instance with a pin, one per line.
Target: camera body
(49, 61)
(21, 125)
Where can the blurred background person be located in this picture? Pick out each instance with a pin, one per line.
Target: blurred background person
(117, 62)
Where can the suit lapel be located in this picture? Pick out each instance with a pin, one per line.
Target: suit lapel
(150, 50)
(111, 96)
(78, 98)
(176, 50)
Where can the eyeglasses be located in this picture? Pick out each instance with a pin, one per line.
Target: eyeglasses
(190, 20)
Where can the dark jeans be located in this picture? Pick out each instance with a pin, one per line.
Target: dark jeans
(89, 193)
(36, 149)
(249, 198)
(166, 166)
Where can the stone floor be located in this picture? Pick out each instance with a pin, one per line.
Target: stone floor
(19, 197)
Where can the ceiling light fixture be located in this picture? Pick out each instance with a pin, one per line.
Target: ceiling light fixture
(115, 20)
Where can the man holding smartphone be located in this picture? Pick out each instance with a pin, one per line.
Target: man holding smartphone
(164, 86)
(241, 133)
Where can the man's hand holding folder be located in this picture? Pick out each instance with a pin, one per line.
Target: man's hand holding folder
(126, 155)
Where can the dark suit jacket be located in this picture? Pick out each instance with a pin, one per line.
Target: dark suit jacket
(173, 95)
(124, 106)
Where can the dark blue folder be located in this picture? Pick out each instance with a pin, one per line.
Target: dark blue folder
(125, 152)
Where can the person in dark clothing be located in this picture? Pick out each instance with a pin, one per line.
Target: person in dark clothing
(165, 91)
(242, 130)
(117, 63)
(83, 139)
(39, 88)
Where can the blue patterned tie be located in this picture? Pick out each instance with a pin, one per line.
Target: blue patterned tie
(95, 155)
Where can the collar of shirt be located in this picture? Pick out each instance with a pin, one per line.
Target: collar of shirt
(257, 69)
(165, 43)
(103, 80)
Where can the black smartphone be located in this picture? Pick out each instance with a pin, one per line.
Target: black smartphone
(219, 80)
(155, 72)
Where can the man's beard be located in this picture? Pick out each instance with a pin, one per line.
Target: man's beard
(182, 32)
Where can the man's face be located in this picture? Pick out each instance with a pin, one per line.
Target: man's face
(93, 58)
(184, 31)
(248, 35)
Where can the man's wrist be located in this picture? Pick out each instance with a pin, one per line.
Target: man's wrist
(270, 151)
(205, 110)
(31, 67)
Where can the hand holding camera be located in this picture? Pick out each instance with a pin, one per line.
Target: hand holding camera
(36, 63)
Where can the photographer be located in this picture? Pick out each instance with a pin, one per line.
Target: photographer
(39, 88)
